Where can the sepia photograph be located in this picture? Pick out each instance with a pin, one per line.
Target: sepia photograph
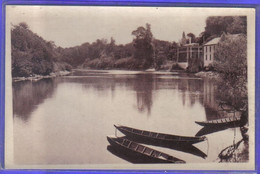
(94, 87)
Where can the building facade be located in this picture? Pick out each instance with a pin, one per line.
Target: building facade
(209, 50)
(194, 55)
(189, 55)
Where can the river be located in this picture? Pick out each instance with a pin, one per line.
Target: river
(66, 120)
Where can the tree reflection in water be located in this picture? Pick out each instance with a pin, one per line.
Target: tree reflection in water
(27, 95)
(143, 85)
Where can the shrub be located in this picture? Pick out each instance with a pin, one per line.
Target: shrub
(231, 63)
(176, 67)
(100, 63)
(128, 63)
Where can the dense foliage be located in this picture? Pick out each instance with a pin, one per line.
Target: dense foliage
(33, 55)
(143, 45)
(231, 63)
(86, 54)
(164, 52)
(137, 55)
(216, 25)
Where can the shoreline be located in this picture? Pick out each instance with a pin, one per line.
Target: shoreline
(202, 74)
(208, 74)
(39, 77)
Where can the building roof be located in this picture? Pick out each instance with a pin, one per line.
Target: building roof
(213, 41)
(191, 44)
(217, 39)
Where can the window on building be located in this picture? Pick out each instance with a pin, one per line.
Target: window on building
(210, 57)
(209, 48)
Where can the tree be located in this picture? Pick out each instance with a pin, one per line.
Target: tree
(216, 25)
(192, 37)
(162, 52)
(24, 25)
(111, 47)
(31, 54)
(238, 25)
(172, 55)
(183, 40)
(231, 63)
(144, 50)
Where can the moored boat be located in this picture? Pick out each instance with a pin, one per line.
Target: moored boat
(230, 121)
(158, 138)
(148, 155)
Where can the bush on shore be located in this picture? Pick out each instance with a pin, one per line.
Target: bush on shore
(99, 63)
(231, 64)
(128, 63)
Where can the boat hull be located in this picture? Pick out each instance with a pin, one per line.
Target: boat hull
(228, 122)
(158, 138)
(142, 158)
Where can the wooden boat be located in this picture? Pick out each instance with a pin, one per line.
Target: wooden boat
(144, 153)
(231, 122)
(159, 138)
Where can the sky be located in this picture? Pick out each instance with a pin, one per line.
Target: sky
(70, 26)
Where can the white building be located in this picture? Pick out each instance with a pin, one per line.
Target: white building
(209, 50)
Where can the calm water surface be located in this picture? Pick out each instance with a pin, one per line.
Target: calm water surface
(65, 120)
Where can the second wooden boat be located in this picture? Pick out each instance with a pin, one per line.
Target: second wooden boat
(144, 153)
(230, 121)
(158, 137)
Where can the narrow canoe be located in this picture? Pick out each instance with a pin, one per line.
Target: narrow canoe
(231, 121)
(148, 155)
(158, 137)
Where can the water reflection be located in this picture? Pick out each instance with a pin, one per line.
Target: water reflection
(209, 97)
(212, 129)
(27, 95)
(144, 85)
(126, 156)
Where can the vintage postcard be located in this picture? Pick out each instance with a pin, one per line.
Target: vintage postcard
(92, 87)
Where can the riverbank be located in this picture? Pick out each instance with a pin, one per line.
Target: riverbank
(201, 74)
(208, 74)
(37, 77)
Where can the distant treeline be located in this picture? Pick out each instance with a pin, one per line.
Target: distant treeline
(104, 54)
(32, 55)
